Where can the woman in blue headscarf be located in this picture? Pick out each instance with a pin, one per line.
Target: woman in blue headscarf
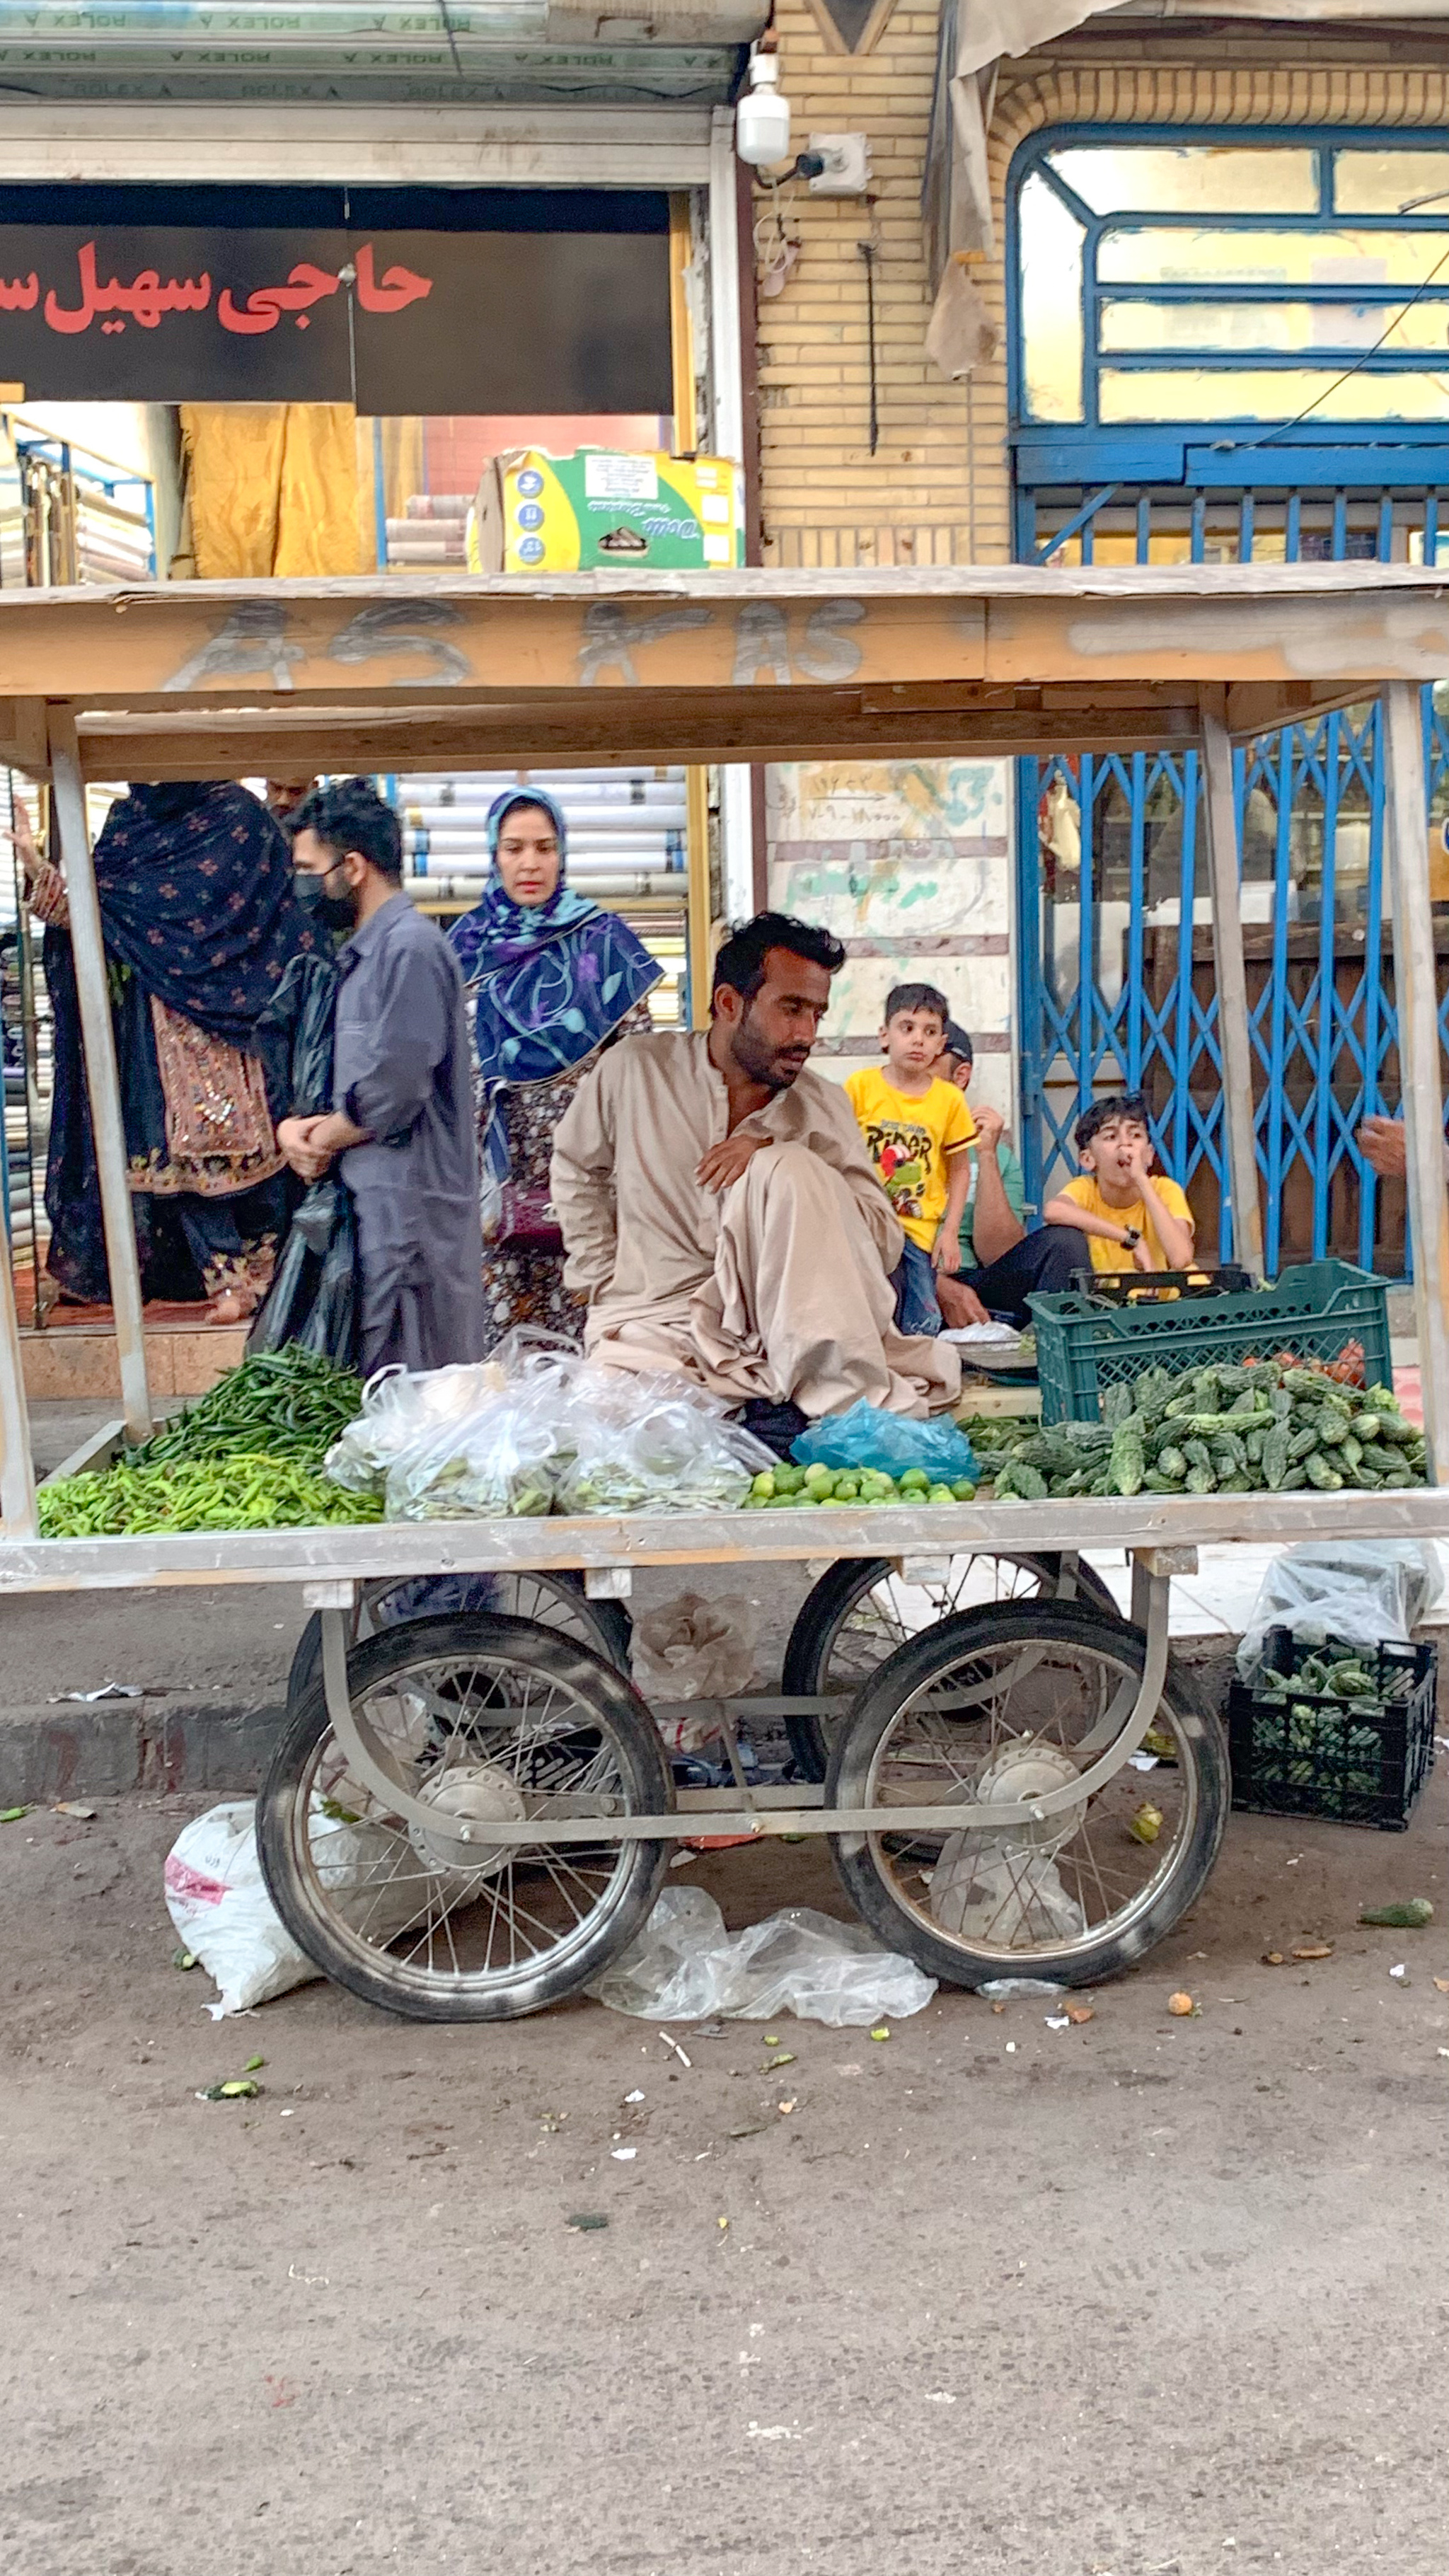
(553, 979)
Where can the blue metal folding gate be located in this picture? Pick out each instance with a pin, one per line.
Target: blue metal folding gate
(1116, 977)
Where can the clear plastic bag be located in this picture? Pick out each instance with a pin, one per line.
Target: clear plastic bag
(653, 1443)
(868, 1436)
(1358, 1592)
(684, 1966)
(402, 1411)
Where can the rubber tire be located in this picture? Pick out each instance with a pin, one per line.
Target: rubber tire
(1203, 1739)
(648, 1789)
(831, 1600)
(610, 1621)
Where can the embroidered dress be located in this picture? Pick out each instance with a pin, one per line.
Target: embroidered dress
(198, 919)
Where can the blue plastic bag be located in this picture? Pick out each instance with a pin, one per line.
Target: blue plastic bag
(868, 1436)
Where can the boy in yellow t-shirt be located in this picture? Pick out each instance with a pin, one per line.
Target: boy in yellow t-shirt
(1131, 1221)
(916, 1128)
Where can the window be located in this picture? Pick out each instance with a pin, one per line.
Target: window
(1195, 280)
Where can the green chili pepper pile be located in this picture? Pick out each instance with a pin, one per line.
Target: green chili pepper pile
(241, 1492)
(277, 1404)
(1267, 1427)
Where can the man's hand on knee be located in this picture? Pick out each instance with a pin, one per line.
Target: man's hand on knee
(725, 1162)
(959, 1304)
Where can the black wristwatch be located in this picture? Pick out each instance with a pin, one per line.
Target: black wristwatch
(1131, 1236)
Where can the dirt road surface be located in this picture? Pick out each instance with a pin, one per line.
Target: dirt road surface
(985, 2299)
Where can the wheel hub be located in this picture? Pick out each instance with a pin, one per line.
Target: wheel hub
(477, 1795)
(1032, 1770)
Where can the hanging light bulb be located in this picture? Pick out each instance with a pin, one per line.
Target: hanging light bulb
(762, 118)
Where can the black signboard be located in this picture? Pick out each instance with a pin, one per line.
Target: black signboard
(516, 322)
(405, 322)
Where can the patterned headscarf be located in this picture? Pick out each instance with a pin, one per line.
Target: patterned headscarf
(550, 980)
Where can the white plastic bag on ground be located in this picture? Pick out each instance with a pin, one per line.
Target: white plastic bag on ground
(217, 1897)
(685, 1966)
(987, 1888)
(1360, 1592)
(690, 1648)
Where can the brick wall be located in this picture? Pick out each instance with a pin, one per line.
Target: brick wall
(825, 497)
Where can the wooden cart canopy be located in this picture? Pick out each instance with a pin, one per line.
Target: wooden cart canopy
(285, 678)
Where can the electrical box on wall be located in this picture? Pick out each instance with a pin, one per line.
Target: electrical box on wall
(847, 165)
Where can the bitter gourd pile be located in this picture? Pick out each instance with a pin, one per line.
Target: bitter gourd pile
(1264, 1428)
(1316, 1725)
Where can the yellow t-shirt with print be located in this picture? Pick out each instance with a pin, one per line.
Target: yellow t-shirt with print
(909, 1141)
(1118, 1256)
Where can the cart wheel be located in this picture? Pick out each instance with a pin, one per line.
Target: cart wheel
(1010, 1703)
(549, 1599)
(860, 1611)
(487, 1716)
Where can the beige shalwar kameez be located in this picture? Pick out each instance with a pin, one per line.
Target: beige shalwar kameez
(775, 1287)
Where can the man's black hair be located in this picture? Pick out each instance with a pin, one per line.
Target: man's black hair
(1123, 1104)
(741, 961)
(348, 814)
(917, 997)
(958, 1043)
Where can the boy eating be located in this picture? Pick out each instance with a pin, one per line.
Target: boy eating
(917, 1128)
(1131, 1220)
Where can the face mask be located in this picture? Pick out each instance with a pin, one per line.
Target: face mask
(336, 911)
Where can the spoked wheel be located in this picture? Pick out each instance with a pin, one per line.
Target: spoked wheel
(488, 1720)
(860, 1611)
(1005, 1705)
(551, 1600)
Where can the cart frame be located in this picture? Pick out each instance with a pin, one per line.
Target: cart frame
(221, 680)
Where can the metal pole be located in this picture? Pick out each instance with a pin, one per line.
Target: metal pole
(68, 811)
(1417, 1004)
(1234, 1042)
(17, 1473)
(697, 921)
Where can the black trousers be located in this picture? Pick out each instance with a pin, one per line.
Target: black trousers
(1044, 1260)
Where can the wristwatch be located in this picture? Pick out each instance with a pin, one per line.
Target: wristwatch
(1131, 1236)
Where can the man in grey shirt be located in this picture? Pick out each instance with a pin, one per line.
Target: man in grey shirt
(402, 1115)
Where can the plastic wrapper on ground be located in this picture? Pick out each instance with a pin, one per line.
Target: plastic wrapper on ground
(685, 1966)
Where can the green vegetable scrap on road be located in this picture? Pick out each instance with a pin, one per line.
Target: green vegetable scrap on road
(244, 1492)
(1268, 1427)
(278, 1404)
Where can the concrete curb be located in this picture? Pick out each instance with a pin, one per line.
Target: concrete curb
(116, 1746)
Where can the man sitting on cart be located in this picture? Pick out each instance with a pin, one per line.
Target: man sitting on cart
(721, 1215)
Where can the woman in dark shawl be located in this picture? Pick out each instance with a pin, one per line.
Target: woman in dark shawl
(553, 978)
(199, 921)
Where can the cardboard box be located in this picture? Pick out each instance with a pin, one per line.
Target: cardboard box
(537, 513)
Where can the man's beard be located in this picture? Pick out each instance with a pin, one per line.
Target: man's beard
(764, 1064)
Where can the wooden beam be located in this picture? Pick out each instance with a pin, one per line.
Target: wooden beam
(1235, 1043)
(735, 727)
(1416, 992)
(68, 810)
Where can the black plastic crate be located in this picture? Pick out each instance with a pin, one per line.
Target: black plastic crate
(1348, 1766)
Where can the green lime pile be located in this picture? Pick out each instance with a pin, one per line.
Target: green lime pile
(790, 1488)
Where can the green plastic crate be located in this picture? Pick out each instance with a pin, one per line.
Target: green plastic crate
(1083, 1346)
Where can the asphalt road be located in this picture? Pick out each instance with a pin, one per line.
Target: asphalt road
(1140, 2296)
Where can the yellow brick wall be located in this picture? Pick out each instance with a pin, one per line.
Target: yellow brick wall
(817, 472)
(938, 489)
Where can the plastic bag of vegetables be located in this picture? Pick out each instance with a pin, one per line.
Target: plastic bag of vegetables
(1358, 1592)
(653, 1444)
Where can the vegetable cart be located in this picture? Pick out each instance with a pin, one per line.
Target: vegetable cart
(957, 1676)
